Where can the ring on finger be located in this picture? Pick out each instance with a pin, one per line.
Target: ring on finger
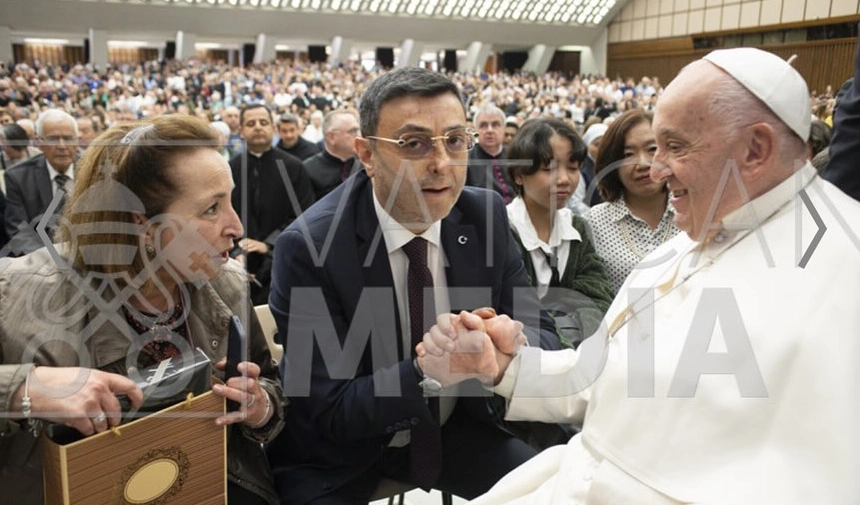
(251, 400)
(100, 418)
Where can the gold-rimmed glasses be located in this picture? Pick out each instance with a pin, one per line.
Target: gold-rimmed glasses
(417, 145)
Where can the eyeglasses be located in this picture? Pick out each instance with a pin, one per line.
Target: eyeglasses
(351, 131)
(58, 139)
(420, 145)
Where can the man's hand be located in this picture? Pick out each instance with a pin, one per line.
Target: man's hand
(254, 246)
(450, 353)
(470, 345)
(507, 335)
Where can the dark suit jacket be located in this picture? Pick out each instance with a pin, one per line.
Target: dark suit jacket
(350, 389)
(842, 169)
(480, 172)
(326, 171)
(302, 149)
(261, 184)
(3, 236)
(29, 191)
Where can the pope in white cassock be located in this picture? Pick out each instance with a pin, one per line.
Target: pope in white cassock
(727, 368)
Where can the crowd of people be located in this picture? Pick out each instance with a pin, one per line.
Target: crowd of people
(499, 285)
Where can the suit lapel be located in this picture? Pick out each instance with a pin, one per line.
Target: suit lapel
(373, 260)
(465, 263)
(44, 185)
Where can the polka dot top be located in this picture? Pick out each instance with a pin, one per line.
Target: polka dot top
(622, 239)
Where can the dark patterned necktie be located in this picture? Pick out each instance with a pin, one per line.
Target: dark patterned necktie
(499, 175)
(62, 180)
(425, 448)
(552, 261)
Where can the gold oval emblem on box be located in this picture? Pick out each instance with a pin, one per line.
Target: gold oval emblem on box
(155, 477)
(151, 481)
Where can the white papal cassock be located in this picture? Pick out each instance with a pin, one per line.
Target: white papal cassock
(732, 379)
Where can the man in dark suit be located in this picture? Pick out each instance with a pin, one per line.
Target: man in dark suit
(263, 176)
(842, 169)
(290, 131)
(32, 184)
(336, 161)
(348, 295)
(486, 165)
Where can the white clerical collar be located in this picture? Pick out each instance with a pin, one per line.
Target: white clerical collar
(754, 212)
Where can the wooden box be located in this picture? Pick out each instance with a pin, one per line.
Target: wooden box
(176, 456)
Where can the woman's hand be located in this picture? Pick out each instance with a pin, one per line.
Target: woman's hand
(82, 398)
(255, 405)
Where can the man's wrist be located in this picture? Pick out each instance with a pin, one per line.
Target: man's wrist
(419, 374)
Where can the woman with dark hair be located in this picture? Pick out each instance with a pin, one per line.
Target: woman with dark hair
(142, 275)
(636, 216)
(554, 242)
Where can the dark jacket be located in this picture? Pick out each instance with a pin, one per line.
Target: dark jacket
(843, 169)
(327, 171)
(302, 149)
(29, 192)
(271, 191)
(480, 173)
(34, 281)
(585, 273)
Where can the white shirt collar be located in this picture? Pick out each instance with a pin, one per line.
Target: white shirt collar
(52, 172)
(562, 228)
(396, 236)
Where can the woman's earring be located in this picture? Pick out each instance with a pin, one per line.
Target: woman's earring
(150, 251)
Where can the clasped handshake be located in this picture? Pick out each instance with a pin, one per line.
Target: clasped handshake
(470, 345)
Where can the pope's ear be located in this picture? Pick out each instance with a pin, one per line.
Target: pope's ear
(760, 148)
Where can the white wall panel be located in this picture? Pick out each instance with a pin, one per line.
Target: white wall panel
(712, 19)
(665, 26)
(696, 21)
(614, 32)
(667, 6)
(626, 13)
(750, 12)
(792, 10)
(652, 28)
(639, 7)
(652, 9)
(713, 3)
(679, 24)
(771, 12)
(697, 4)
(681, 5)
(844, 7)
(817, 10)
(638, 31)
(731, 17)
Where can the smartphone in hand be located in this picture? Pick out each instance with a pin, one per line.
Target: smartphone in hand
(236, 341)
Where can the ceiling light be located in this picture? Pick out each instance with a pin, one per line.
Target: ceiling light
(47, 42)
(128, 44)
